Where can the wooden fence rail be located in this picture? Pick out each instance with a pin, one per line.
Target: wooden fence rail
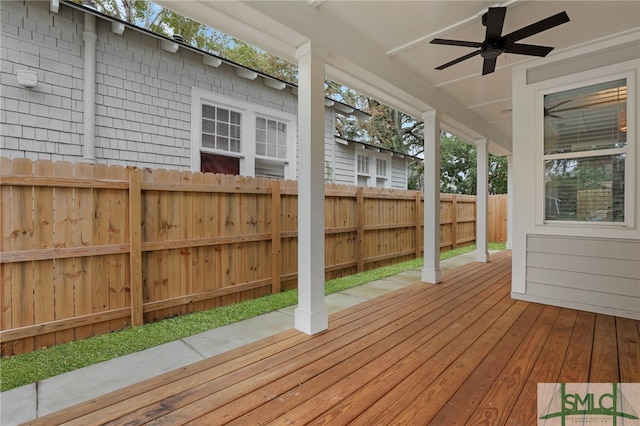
(87, 249)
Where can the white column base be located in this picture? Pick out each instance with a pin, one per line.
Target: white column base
(482, 256)
(431, 276)
(311, 322)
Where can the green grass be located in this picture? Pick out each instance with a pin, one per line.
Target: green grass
(27, 368)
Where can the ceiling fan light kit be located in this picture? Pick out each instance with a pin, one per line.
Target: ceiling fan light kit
(495, 44)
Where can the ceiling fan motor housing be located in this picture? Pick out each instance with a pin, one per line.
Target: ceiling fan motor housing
(491, 49)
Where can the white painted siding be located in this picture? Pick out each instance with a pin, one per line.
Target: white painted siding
(599, 275)
(588, 266)
(344, 165)
(399, 172)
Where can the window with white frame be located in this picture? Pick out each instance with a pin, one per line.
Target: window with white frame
(372, 170)
(585, 153)
(220, 128)
(381, 172)
(363, 170)
(271, 147)
(237, 137)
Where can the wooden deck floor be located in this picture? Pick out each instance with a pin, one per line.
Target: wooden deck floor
(462, 352)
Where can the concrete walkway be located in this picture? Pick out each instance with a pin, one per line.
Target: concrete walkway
(46, 396)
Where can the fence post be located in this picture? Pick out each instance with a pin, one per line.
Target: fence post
(135, 245)
(276, 284)
(454, 222)
(418, 223)
(360, 228)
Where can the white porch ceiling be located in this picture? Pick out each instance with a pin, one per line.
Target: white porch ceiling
(382, 48)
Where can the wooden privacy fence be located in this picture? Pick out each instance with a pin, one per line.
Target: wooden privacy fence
(87, 249)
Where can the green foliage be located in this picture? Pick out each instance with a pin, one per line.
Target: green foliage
(458, 168)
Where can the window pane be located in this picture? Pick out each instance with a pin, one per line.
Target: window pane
(585, 189)
(223, 143)
(208, 126)
(586, 119)
(261, 149)
(223, 115)
(261, 123)
(235, 117)
(234, 145)
(208, 111)
(234, 132)
(223, 129)
(209, 141)
(261, 136)
(272, 151)
(282, 152)
(271, 125)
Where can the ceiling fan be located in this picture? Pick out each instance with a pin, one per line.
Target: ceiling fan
(496, 44)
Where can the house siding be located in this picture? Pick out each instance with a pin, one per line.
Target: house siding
(588, 266)
(601, 275)
(143, 94)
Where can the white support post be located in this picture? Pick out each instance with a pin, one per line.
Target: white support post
(431, 270)
(311, 315)
(509, 243)
(482, 252)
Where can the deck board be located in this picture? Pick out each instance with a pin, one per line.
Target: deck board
(462, 352)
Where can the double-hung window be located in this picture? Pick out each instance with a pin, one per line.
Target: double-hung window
(381, 172)
(585, 153)
(372, 169)
(232, 136)
(363, 170)
(220, 134)
(271, 147)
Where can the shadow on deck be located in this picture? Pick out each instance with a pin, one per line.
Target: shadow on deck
(459, 352)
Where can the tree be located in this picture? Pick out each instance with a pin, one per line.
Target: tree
(387, 127)
(458, 168)
(166, 22)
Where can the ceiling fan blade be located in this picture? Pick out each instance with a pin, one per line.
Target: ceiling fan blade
(456, 42)
(528, 49)
(538, 27)
(495, 22)
(460, 59)
(488, 66)
(553, 107)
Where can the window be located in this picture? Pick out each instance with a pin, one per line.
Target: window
(363, 165)
(375, 175)
(381, 172)
(271, 138)
(220, 128)
(237, 137)
(585, 148)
